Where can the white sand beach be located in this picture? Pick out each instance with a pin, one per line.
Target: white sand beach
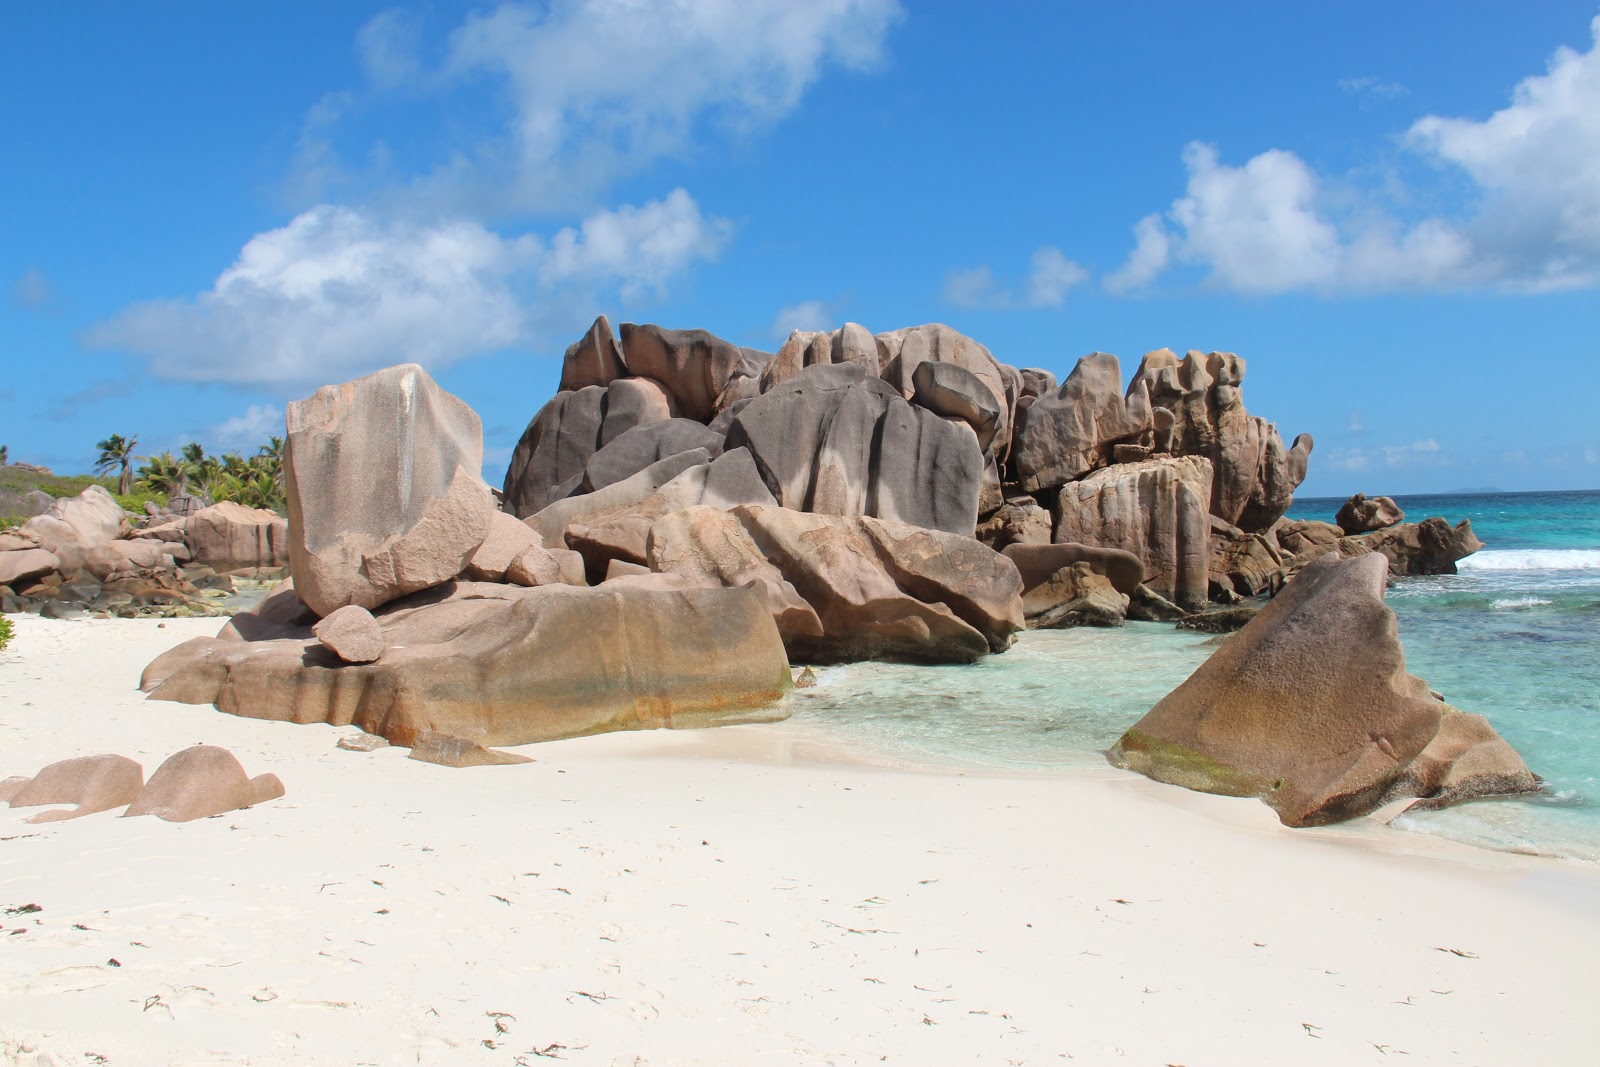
(736, 896)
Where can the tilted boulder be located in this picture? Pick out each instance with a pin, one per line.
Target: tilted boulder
(692, 365)
(1363, 514)
(631, 403)
(201, 781)
(1199, 411)
(89, 783)
(384, 491)
(836, 442)
(954, 392)
(552, 522)
(1431, 546)
(881, 590)
(1157, 511)
(595, 360)
(1064, 435)
(24, 564)
(504, 665)
(1310, 708)
(352, 634)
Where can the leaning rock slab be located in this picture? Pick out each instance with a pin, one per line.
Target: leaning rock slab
(384, 490)
(447, 751)
(201, 781)
(1310, 708)
(89, 783)
(505, 665)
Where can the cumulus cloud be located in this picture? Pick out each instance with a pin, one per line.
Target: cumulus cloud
(1275, 225)
(592, 90)
(1423, 453)
(249, 430)
(339, 291)
(1051, 276)
(812, 316)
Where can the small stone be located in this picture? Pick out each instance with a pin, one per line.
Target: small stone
(805, 678)
(362, 742)
(448, 751)
(352, 634)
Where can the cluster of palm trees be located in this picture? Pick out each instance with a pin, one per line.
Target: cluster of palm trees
(255, 481)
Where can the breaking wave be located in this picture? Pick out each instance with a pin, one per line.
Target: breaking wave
(1532, 559)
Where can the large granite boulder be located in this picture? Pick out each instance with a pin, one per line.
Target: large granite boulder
(89, 784)
(851, 343)
(1065, 434)
(231, 538)
(1199, 411)
(881, 590)
(834, 441)
(1243, 564)
(1363, 514)
(385, 495)
(901, 352)
(1307, 538)
(631, 403)
(1431, 546)
(1310, 708)
(504, 665)
(201, 781)
(22, 565)
(73, 527)
(633, 451)
(954, 392)
(692, 365)
(595, 360)
(1155, 510)
(1036, 563)
(552, 522)
(550, 456)
(1016, 522)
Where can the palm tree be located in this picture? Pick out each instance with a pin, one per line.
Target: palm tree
(114, 453)
(163, 473)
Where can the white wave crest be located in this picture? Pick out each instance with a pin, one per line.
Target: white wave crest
(1532, 559)
(1518, 602)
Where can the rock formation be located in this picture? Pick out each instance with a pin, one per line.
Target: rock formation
(385, 495)
(1065, 434)
(1431, 546)
(89, 783)
(1363, 514)
(1310, 708)
(201, 781)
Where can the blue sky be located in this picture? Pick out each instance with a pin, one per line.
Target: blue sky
(1392, 211)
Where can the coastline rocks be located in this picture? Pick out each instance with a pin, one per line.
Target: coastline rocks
(834, 441)
(88, 783)
(383, 487)
(1155, 510)
(1363, 514)
(1200, 412)
(693, 366)
(1016, 523)
(231, 538)
(548, 462)
(1243, 564)
(1064, 435)
(901, 352)
(1310, 708)
(880, 590)
(952, 391)
(1431, 546)
(504, 665)
(631, 452)
(352, 634)
(1036, 563)
(201, 781)
(1075, 595)
(23, 564)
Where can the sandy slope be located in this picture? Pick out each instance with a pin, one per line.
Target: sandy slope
(732, 897)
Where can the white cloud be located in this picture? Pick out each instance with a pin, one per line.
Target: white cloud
(33, 290)
(339, 292)
(811, 316)
(249, 430)
(1275, 225)
(597, 89)
(1355, 423)
(1051, 276)
(1372, 86)
(1423, 453)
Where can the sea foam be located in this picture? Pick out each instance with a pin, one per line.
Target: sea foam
(1518, 602)
(1532, 559)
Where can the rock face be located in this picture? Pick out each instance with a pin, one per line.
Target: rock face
(1200, 412)
(1066, 434)
(231, 538)
(503, 665)
(1431, 546)
(1155, 510)
(595, 360)
(1363, 514)
(384, 491)
(1075, 595)
(880, 590)
(201, 781)
(834, 441)
(693, 366)
(1310, 708)
(89, 783)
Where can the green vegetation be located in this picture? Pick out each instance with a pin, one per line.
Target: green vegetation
(5, 632)
(117, 454)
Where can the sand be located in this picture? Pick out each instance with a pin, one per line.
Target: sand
(734, 896)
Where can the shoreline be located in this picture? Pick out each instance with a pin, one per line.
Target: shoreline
(736, 895)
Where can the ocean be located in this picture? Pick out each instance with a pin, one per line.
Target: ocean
(1515, 637)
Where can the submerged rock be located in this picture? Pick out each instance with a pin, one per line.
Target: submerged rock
(1431, 546)
(1310, 708)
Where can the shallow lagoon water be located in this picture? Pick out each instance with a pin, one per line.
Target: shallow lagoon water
(1514, 637)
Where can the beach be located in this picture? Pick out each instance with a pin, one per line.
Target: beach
(733, 896)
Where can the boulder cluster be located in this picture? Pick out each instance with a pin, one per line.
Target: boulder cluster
(196, 783)
(84, 555)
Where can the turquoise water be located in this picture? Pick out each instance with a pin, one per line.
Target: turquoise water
(1514, 637)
